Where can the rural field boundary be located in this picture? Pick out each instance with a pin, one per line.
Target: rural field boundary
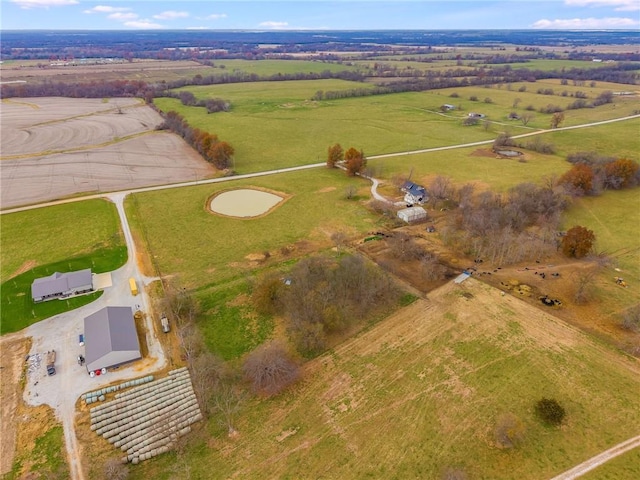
(294, 169)
(599, 459)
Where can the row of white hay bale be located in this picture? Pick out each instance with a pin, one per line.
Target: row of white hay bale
(153, 411)
(112, 409)
(147, 420)
(94, 396)
(129, 413)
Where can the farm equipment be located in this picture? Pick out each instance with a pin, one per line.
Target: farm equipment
(51, 360)
(620, 281)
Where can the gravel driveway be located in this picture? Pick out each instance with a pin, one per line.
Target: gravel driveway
(60, 333)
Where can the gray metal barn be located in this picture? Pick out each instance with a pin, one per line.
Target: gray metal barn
(110, 338)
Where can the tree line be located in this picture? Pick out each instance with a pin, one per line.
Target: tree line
(212, 149)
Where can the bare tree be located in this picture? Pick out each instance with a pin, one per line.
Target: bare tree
(526, 117)
(228, 402)
(270, 368)
(440, 189)
(584, 287)
(340, 239)
(207, 370)
(631, 319)
(114, 469)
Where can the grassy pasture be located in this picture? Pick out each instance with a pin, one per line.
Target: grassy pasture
(275, 125)
(204, 250)
(281, 127)
(614, 217)
(619, 140)
(464, 165)
(62, 238)
(624, 467)
(274, 67)
(422, 390)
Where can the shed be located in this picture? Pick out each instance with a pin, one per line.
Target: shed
(110, 338)
(61, 285)
(412, 214)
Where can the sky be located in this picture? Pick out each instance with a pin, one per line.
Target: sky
(318, 15)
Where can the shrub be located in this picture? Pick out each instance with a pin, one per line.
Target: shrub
(631, 319)
(550, 411)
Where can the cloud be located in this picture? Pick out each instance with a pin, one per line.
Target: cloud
(274, 25)
(587, 23)
(142, 24)
(617, 5)
(107, 9)
(170, 15)
(216, 16)
(122, 16)
(29, 4)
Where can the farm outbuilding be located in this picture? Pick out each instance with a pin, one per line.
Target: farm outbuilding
(110, 338)
(412, 214)
(62, 285)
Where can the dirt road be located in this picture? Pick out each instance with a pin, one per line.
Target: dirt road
(598, 460)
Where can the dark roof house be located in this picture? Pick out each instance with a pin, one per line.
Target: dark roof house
(61, 285)
(414, 193)
(110, 338)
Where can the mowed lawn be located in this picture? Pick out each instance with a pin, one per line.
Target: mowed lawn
(422, 391)
(200, 249)
(47, 235)
(62, 238)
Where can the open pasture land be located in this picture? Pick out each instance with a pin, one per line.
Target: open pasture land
(146, 70)
(58, 147)
(480, 166)
(274, 67)
(278, 125)
(505, 99)
(61, 238)
(422, 391)
(617, 140)
(203, 249)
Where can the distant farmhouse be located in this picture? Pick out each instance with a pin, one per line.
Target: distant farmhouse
(110, 338)
(62, 285)
(414, 194)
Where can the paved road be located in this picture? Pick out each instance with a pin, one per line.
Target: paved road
(599, 459)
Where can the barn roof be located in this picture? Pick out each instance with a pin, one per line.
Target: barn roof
(110, 338)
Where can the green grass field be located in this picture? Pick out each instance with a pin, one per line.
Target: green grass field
(422, 390)
(204, 250)
(624, 467)
(275, 124)
(274, 67)
(37, 243)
